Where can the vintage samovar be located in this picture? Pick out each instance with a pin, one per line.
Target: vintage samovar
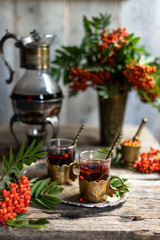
(36, 98)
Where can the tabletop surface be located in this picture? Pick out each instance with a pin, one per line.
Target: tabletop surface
(137, 218)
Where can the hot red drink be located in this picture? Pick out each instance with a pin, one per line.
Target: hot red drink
(65, 156)
(94, 170)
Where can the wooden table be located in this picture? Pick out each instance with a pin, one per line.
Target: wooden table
(137, 218)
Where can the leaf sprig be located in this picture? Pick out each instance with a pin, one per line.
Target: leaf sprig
(42, 193)
(21, 221)
(16, 165)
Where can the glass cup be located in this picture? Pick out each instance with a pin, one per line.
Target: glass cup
(94, 181)
(61, 156)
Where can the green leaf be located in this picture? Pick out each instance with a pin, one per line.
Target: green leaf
(125, 189)
(56, 190)
(4, 184)
(86, 25)
(30, 148)
(11, 158)
(26, 161)
(52, 199)
(8, 176)
(35, 186)
(66, 77)
(124, 180)
(33, 180)
(129, 37)
(14, 170)
(140, 50)
(50, 186)
(41, 187)
(43, 204)
(21, 151)
(22, 215)
(116, 184)
(42, 221)
(33, 159)
(41, 154)
(10, 222)
(4, 165)
(19, 166)
(135, 40)
(104, 150)
(35, 150)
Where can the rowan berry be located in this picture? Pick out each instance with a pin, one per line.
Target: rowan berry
(7, 199)
(15, 200)
(150, 162)
(3, 205)
(13, 190)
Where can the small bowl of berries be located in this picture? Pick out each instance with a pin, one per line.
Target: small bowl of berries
(130, 152)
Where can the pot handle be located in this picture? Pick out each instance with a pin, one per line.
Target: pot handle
(4, 38)
(14, 119)
(54, 122)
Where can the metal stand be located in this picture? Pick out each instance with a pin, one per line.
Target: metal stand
(53, 121)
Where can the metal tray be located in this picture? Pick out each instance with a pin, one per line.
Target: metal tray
(70, 194)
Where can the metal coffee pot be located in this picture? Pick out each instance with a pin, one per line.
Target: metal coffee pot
(36, 98)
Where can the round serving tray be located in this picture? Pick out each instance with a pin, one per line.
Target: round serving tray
(70, 194)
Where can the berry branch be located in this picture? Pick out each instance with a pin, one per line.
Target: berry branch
(16, 195)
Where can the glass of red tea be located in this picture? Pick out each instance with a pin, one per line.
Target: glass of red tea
(61, 157)
(94, 179)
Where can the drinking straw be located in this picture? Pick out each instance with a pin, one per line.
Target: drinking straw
(114, 144)
(143, 122)
(78, 134)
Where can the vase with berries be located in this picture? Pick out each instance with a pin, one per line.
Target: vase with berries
(112, 63)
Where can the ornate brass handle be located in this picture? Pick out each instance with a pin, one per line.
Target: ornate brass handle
(111, 190)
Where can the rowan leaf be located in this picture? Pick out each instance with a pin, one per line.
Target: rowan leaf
(56, 190)
(30, 148)
(52, 199)
(11, 158)
(41, 154)
(34, 187)
(35, 150)
(41, 186)
(19, 166)
(53, 184)
(22, 215)
(4, 165)
(43, 203)
(4, 184)
(14, 170)
(21, 151)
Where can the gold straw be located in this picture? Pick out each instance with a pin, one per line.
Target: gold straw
(114, 144)
(77, 136)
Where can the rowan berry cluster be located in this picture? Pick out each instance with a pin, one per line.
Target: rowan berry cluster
(82, 79)
(152, 95)
(116, 37)
(130, 142)
(15, 200)
(139, 76)
(150, 161)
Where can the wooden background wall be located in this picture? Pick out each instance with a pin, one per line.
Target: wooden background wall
(64, 18)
